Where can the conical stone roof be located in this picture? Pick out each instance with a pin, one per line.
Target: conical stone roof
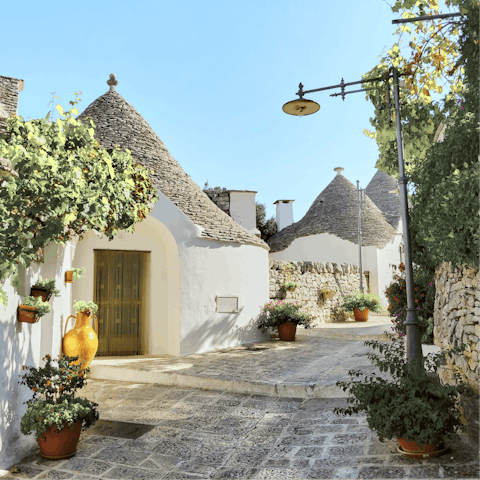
(334, 211)
(388, 203)
(118, 123)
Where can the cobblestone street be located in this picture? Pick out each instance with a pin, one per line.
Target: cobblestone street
(153, 431)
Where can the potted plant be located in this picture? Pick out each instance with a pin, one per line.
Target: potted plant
(360, 304)
(410, 406)
(327, 293)
(45, 289)
(31, 309)
(289, 284)
(54, 414)
(74, 274)
(82, 339)
(285, 316)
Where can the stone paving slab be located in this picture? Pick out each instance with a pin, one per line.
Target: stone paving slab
(235, 436)
(308, 367)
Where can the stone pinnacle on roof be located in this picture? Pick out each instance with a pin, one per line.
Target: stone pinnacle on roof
(117, 123)
(334, 211)
(113, 82)
(339, 170)
(388, 203)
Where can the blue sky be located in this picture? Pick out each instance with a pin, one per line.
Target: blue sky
(211, 78)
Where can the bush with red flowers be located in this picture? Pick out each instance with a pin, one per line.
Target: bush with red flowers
(424, 300)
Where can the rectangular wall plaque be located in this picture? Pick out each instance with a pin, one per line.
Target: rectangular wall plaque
(227, 304)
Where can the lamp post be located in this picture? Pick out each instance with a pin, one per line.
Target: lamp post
(360, 201)
(303, 107)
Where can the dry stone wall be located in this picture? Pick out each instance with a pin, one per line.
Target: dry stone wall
(8, 100)
(220, 197)
(313, 277)
(457, 315)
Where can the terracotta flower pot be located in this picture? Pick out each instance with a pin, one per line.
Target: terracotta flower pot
(361, 316)
(69, 276)
(328, 295)
(286, 331)
(418, 452)
(40, 292)
(27, 314)
(290, 289)
(60, 444)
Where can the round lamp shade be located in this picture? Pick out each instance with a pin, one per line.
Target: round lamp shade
(301, 107)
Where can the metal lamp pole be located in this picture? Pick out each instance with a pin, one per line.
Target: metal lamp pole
(359, 202)
(302, 107)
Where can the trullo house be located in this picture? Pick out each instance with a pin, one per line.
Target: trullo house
(329, 230)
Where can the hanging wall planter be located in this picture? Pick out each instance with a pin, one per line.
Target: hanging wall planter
(69, 276)
(27, 314)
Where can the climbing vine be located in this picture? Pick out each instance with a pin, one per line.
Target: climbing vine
(67, 185)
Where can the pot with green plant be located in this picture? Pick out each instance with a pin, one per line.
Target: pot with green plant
(285, 316)
(360, 304)
(82, 339)
(289, 277)
(74, 274)
(32, 309)
(54, 414)
(45, 289)
(405, 402)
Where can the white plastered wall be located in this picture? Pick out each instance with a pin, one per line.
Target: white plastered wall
(163, 329)
(26, 344)
(187, 274)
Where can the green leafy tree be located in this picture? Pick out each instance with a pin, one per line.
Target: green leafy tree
(67, 185)
(431, 65)
(268, 227)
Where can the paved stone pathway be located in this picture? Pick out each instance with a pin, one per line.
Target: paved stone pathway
(151, 431)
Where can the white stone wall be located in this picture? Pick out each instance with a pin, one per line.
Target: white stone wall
(313, 277)
(26, 344)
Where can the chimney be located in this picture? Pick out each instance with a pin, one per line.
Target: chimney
(9, 88)
(284, 215)
(243, 209)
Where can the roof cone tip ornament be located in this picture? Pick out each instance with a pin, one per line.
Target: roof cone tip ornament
(302, 106)
(112, 82)
(339, 170)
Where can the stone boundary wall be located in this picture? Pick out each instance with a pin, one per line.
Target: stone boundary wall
(220, 197)
(456, 316)
(8, 100)
(312, 278)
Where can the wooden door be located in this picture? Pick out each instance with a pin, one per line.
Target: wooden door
(120, 293)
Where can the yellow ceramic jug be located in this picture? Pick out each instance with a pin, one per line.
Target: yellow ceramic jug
(82, 339)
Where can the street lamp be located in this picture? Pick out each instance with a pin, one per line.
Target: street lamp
(294, 107)
(360, 202)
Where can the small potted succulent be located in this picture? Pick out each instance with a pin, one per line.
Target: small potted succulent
(74, 274)
(54, 414)
(289, 284)
(31, 309)
(45, 289)
(285, 316)
(411, 405)
(360, 304)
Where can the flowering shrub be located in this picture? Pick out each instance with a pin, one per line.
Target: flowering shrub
(361, 301)
(424, 301)
(275, 313)
(57, 386)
